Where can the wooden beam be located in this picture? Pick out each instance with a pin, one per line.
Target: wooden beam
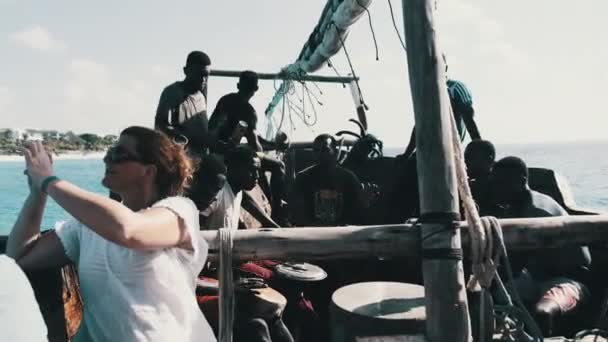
(446, 300)
(402, 240)
(281, 76)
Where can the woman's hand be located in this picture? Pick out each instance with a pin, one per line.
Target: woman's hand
(38, 162)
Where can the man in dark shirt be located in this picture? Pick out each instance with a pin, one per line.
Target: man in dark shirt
(479, 157)
(326, 194)
(233, 108)
(234, 118)
(553, 277)
(182, 108)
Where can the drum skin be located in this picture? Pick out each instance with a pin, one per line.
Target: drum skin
(377, 309)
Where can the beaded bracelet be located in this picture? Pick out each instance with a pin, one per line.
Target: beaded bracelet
(46, 182)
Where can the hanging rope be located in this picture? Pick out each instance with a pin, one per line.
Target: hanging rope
(371, 27)
(390, 7)
(226, 300)
(484, 255)
(350, 64)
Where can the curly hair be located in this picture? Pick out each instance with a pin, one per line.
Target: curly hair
(174, 167)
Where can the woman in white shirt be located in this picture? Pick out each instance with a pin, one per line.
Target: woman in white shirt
(137, 260)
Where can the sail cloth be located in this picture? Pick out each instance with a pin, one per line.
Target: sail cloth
(324, 42)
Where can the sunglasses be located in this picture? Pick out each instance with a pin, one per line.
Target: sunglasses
(119, 154)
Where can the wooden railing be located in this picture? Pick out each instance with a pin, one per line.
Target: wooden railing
(402, 239)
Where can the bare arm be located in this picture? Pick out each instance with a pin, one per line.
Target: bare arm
(469, 122)
(152, 229)
(25, 244)
(254, 142)
(161, 119)
(155, 228)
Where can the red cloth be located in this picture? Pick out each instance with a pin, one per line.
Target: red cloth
(257, 270)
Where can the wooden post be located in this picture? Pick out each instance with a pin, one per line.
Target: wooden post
(446, 303)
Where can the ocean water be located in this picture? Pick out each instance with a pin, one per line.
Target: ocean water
(86, 173)
(584, 165)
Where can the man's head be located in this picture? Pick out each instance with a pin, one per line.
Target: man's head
(325, 148)
(243, 168)
(479, 157)
(209, 179)
(248, 83)
(509, 180)
(197, 69)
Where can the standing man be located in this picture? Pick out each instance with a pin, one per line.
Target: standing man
(182, 108)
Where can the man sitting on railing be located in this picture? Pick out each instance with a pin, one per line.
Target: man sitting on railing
(552, 280)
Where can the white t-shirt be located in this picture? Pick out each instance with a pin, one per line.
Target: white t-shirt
(132, 295)
(225, 212)
(20, 317)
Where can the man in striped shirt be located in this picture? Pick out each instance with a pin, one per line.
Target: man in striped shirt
(462, 109)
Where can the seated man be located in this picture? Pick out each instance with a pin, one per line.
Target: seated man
(234, 118)
(242, 174)
(208, 180)
(221, 196)
(326, 194)
(553, 276)
(479, 157)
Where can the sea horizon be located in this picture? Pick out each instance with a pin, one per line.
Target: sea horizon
(582, 164)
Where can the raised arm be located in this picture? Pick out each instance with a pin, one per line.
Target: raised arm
(151, 229)
(26, 245)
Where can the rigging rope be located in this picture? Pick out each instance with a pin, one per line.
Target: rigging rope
(226, 298)
(371, 27)
(485, 233)
(390, 6)
(350, 64)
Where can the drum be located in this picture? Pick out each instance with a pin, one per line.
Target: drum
(300, 271)
(377, 309)
(253, 298)
(256, 299)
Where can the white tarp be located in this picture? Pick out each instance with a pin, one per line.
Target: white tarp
(325, 41)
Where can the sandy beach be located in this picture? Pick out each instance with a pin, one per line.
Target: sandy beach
(76, 155)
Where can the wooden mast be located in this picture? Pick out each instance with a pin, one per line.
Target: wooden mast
(446, 302)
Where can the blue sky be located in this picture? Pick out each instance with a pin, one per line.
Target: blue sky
(536, 69)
